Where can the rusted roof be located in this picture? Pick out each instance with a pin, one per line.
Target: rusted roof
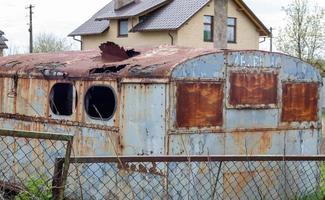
(151, 63)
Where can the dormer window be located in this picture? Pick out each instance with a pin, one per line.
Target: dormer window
(142, 18)
(123, 28)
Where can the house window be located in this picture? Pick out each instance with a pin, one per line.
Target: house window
(208, 28)
(61, 99)
(199, 104)
(231, 30)
(123, 28)
(100, 102)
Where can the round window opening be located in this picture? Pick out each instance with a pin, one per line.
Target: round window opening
(100, 102)
(63, 98)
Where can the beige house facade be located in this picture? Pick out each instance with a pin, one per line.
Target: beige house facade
(246, 29)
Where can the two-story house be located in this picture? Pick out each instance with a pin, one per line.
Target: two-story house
(3, 44)
(190, 23)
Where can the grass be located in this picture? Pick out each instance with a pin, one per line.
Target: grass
(320, 193)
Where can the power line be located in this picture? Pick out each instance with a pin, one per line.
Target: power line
(30, 30)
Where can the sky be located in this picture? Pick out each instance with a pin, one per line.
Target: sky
(61, 17)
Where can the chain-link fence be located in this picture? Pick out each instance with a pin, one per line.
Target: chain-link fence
(196, 177)
(27, 164)
(36, 166)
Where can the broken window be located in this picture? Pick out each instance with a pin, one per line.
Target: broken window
(199, 104)
(100, 102)
(253, 89)
(300, 102)
(62, 97)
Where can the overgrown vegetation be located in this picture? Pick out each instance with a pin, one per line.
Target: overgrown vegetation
(36, 189)
(319, 194)
(303, 35)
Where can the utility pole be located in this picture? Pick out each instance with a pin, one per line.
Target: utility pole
(30, 30)
(271, 40)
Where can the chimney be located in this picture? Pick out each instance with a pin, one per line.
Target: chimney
(220, 24)
(118, 4)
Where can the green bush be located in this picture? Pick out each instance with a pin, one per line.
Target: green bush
(36, 189)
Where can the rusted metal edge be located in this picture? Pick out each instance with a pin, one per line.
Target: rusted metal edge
(145, 80)
(65, 169)
(185, 79)
(238, 130)
(68, 78)
(194, 158)
(36, 135)
(56, 121)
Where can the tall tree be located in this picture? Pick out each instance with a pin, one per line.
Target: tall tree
(304, 34)
(47, 42)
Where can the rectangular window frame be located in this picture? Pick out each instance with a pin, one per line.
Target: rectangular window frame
(235, 30)
(269, 105)
(211, 26)
(119, 28)
(216, 124)
(290, 116)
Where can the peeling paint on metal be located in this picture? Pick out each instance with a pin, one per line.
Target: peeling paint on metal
(300, 102)
(199, 104)
(173, 100)
(253, 89)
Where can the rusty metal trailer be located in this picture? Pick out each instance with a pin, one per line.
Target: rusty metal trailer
(166, 101)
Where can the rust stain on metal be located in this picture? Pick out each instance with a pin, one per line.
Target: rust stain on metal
(260, 143)
(157, 62)
(141, 168)
(253, 88)
(57, 122)
(113, 52)
(265, 143)
(234, 183)
(300, 102)
(199, 104)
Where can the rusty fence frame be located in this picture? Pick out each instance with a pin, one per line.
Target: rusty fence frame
(59, 180)
(192, 158)
(122, 161)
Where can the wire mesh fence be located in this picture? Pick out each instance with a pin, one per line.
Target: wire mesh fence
(39, 166)
(27, 164)
(195, 177)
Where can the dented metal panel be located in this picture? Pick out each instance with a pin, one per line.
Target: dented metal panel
(300, 102)
(199, 104)
(253, 89)
(204, 67)
(143, 119)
